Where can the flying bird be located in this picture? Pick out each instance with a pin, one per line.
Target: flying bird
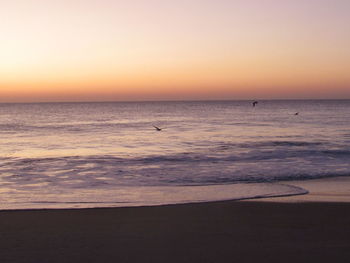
(157, 128)
(254, 103)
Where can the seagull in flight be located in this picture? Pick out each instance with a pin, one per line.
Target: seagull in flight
(254, 103)
(157, 128)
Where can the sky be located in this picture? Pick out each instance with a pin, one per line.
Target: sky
(110, 50)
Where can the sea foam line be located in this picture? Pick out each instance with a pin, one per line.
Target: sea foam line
(145, 196)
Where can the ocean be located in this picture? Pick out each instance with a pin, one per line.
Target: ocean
(74, 155)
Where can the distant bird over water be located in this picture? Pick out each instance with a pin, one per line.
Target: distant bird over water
(157, 128)
(297, 113)
(254, 103)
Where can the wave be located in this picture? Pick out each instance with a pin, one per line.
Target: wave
(273, 143)
(188, 157)
(143, 196)
(103, 171)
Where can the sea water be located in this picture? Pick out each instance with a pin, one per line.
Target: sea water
(109, 154)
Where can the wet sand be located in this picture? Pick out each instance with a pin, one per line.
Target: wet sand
(230, 231)
(334, 189)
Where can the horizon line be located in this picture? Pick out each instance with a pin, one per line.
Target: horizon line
(176, 100)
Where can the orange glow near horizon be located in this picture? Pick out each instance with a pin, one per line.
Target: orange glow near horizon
(162, 50)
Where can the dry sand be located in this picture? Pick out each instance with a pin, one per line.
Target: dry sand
(231, 231)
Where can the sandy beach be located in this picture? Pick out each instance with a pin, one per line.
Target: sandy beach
(300, 230)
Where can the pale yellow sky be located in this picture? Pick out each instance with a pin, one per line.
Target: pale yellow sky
(135, 50)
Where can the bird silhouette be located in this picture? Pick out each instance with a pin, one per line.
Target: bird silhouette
(157, 128)
(254, 103)
(297, 113)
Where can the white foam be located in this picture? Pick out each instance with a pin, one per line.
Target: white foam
(141, 196)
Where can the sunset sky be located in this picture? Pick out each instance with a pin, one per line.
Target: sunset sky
(102, 50)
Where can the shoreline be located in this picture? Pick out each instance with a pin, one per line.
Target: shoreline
(330, 189)
(257, 230)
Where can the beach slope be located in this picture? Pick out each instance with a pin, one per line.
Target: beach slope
(231, 231)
